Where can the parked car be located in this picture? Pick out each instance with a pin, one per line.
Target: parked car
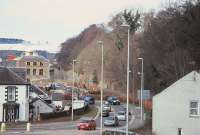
(121, 115)
(106, 106)
(88, 99)
(124, 109)
(113, 100)
(105, 112)
(86, 124)
(111, 121)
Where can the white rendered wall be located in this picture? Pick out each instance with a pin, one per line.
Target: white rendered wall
(2, 101)
(22, 101)
(43, 108)
(171, 108)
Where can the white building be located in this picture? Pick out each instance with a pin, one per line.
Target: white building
(14, 97)
(176, 110)
(40, 106)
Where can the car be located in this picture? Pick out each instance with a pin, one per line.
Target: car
(88, 99)
(121, 115)
(105, 112)
(113, 100)
(124, 109)
(106, 106)
(86, 124)
(111, 121)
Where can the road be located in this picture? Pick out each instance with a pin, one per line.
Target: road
(60, 128)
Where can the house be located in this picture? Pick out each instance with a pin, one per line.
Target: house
(37, 67)
(14, 93)
(21, 72)
(176, 110)
(39, 106)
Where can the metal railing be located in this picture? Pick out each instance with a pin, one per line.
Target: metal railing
(118, 132)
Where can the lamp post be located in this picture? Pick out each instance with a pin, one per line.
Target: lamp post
(128, 71)
(102, 60)
(141, 88)
(73, 89)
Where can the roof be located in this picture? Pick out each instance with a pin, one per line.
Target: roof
(33, 58)
(37, 90)
(8, 77)
(39, 99)
(19, 71)
(190, 77)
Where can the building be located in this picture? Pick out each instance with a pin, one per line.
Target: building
(21, 72)
(37, 67)
(39, 106)
(176, 110)
(14, 93)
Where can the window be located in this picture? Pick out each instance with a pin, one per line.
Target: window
(41, 64)
(194, 109)
(28, 63)
(41, 72)
(34, 71)
(28, 71)
(11, 93)
(34, 63)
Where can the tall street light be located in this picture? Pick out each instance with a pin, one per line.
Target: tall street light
(101, 124)
(128, 71)
(141, 88)
(74, 61)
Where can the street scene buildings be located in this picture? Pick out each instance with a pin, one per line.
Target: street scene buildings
(126, 67)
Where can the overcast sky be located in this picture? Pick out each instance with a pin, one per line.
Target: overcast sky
(57, 20)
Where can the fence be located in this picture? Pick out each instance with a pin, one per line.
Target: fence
(44, 116)
(118, 132)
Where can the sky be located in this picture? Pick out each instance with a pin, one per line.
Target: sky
(57, 20)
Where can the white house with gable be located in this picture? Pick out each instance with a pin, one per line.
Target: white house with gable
(176, 110)
(14, 97)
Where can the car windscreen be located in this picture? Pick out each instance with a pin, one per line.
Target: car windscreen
(110, 118)
(121, 113)
(85, 121)
(114, 98)
(88, 98)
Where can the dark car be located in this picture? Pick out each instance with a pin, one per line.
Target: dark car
(111, 121)
(88, 99)
(86, 124)
(113, 100)
(105, 112)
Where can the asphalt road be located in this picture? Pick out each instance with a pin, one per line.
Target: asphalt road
(60, 128)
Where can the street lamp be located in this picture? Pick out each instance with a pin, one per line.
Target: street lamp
(101, 124)
(141, 88)
(128, 71)
(74, 61)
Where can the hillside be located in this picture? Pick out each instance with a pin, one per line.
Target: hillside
(168, 42)
(84, 47)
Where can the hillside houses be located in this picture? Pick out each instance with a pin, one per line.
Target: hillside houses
(37, 67)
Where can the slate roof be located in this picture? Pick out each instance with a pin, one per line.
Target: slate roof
(33, 58)
(8, 77)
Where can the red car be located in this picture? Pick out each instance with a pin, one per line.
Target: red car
(87, 124)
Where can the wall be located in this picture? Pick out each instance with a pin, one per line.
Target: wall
(22, 100)
(171, 108)
(43, 108)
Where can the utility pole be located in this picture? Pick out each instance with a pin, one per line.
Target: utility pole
(102, 61)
